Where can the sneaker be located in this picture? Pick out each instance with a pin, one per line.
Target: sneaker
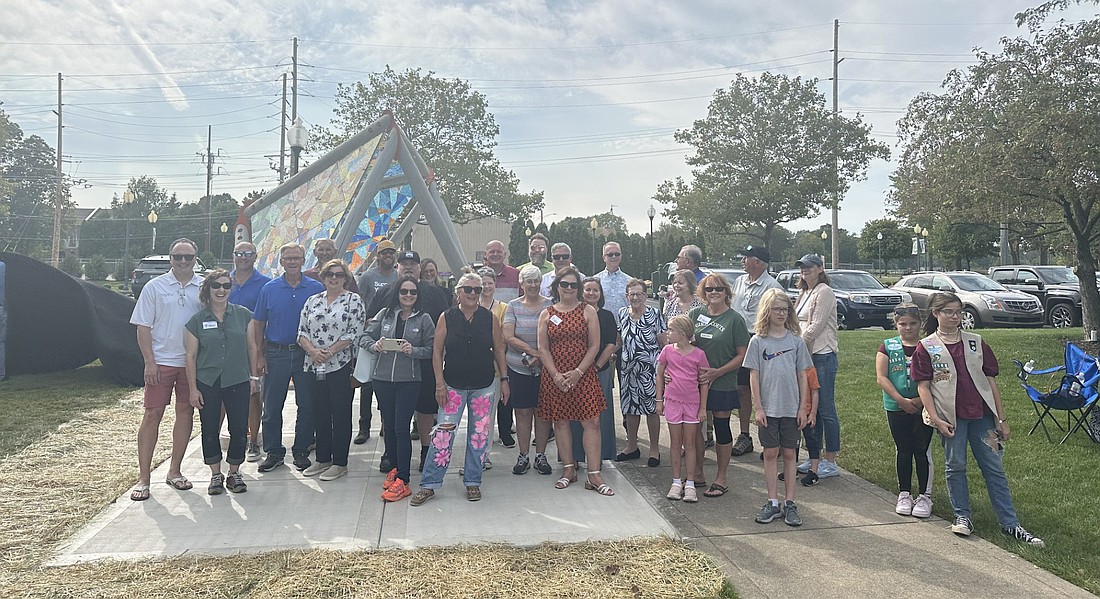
(825, 469)
(542, 465)
(301, 462)
(217, 484)
(235, 482)
(361, 437)
(742, 445)
(768, 513)
(1022, 535)
(396, 491)
(690, 495)
(922, 508)
(709, 442)
(270, 463)
(804, 467)
(334, 472)
(391, 476)
(507, 440)
(252, 454)
(675, 492)
(905, 504)
(414, 434)
(488, 465)
(421, 497)
(962, 526)
(386, 464)
(790, 514)
(523, 464)
(810, 479)
(316, 468)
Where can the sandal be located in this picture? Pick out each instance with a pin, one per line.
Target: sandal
(602, 489)
(140, 493)
(179, 483)
(473, 493)
(715, 490)
(675, 492)
(565, 481)
(421, 496)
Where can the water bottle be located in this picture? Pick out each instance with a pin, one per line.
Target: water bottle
(319, 370)
(1075, 387)
(1029, 366)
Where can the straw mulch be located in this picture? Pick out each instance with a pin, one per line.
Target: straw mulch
(53, 487)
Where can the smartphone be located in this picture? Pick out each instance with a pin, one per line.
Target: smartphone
(390, 344)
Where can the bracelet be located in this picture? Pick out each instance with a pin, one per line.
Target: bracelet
(503, 379)
(253, 378)
(441, 387)
(1001, 421)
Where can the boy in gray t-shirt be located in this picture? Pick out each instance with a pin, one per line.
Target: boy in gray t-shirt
(779, 362)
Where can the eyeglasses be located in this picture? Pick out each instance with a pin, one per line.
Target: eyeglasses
(244, 254)
(292, 258)
(636, 294)
(409, 291)
(569, 285)
(561, 256)
(333, 274)
(388, 251)
(781, 310)
(183, 257)
(714, 289)
(613, 254)
(951, 313)
(472, 290)
(226, 285)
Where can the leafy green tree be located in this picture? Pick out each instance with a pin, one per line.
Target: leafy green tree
(451, 126)
(517, 241)
(70, 265)
(765, 155)
(28, 193)
(1013, 138)
(959, 244)
(896, 244)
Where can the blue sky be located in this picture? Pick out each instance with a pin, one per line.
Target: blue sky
(587, 94)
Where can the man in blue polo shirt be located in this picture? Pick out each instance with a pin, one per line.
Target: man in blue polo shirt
(247, 283)
(277, 313)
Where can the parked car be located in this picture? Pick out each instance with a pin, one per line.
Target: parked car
(985, 301)
(1057, 288)
(861, 301)
(151, 266)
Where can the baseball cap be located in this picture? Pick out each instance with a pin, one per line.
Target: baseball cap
(810, 260)
(385, 244)
(408, 255)
(761, 253)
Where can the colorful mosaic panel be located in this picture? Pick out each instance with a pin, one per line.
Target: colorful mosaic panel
(385, 210)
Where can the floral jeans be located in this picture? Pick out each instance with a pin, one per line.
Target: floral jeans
(479, 404)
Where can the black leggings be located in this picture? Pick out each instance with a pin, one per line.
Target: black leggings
(913, 439)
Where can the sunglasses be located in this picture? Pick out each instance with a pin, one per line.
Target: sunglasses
(244, 254)
(183, 257)
(613, 254)
(332, 274)
(569, 285)
(226, 286)
(561, 256)
(714, 289)
(292, 258)
(409, 291)
(909, 311)
(473, 290)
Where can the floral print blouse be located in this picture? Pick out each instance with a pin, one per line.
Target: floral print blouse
(325, 323)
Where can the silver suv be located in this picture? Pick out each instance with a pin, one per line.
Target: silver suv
(151, 266)
(986, 303)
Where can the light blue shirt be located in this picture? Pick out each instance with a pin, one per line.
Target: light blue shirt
(614, 289)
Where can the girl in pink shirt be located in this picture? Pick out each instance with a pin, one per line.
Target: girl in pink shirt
(680, 363)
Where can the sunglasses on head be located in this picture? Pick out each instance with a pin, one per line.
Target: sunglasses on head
(409, 291)
(569, 285)
(561, 256)
(226, 285)
(907, 311)
(243, 254)
(473, 290)
(183, 257)
(714, 289)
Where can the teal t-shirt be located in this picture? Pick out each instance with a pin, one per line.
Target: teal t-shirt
(719, 337)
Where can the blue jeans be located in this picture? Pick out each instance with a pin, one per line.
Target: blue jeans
(827, 424)
(479, 405)
(397, 402)
(235, 400)
(282, 366)
(608, 450)
(972, 432)
(331, 399)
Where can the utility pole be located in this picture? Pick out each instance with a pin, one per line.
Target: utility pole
(55, 248)
(294, 97)
(282, 135)
(209, 180)
(836, 142)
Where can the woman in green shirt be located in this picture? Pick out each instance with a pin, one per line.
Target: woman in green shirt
(221, 348)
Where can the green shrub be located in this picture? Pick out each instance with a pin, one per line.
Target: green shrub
(70, 264)
(96, 269)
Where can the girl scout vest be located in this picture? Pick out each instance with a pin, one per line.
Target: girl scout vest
(945, 377)
(897, 370)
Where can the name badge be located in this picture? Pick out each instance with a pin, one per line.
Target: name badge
(703, 319)
(555, 319)
(706, 335)
(209, 324)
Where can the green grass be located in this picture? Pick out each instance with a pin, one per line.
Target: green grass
(31, 406)
(1053, 486)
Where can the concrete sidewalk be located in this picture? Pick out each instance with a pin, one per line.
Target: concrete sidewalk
(851, 545)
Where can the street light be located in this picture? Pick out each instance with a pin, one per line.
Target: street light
(297, 136)
(879, 236)
(924, 234)
(593, 224)
(127, 199)
(221, 251)
(651, 212)
(824, 237)
(153, 221)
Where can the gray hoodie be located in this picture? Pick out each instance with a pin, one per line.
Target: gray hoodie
(398, 367)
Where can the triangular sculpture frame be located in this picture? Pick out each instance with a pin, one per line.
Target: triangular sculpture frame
(372, 187)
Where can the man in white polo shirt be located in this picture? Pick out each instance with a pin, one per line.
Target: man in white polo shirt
(166, 304)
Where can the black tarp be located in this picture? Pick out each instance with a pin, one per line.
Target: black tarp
(57, 322)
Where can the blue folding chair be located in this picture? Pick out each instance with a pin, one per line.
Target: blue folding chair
(1074, 393)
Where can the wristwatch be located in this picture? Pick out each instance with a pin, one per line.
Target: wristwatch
(503, 378)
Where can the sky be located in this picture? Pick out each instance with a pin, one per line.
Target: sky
(587, 95)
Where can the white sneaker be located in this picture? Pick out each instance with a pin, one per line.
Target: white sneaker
(804, 467)
(923, 506)
(253, 454)
(316, 468)
(825, 469)
(334, 472)
(905, 504)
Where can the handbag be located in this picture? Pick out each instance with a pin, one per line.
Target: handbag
(364, 366)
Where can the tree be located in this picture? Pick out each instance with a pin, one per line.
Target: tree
(28, 192)
(96, 268)
(961, 243)
(450, 125)
(517, 241)
(896, 242)
(764, 156)
(1015, 134)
